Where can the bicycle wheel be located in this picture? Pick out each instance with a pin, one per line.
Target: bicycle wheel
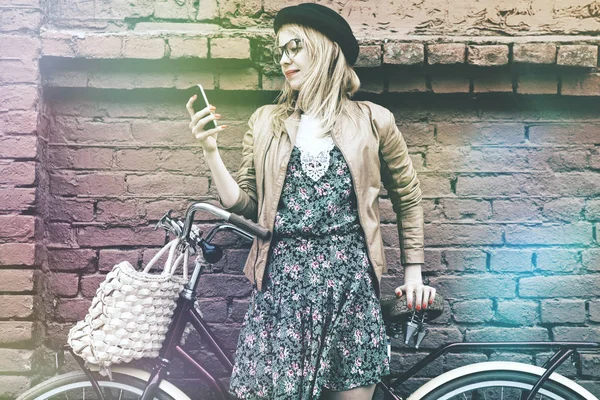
(500, 385)
(76, 386)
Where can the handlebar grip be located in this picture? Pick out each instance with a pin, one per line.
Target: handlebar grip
(249, 226)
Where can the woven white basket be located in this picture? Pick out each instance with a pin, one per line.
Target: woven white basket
(130, 314)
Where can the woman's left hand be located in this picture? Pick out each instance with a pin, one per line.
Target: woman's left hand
(422, 295)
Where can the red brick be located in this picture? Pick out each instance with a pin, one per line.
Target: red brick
(20, 122)
(407, 82)
(556, 260)
(120, 212)
(93, 236)
(591, 259)
(218, 285)
(58, 44)
(534, 53)
(537, 83)
(18, 227)
(17, 254)
(238, 48)
(138, 159)
(121, 9)
(492, 81)
(61, 209)
(581, 84)
(19, 71)
(59, 235)
(511, 261)
(575, 233)
(457, 82)
(555, 311)
(188, 47)
(109, 258)
(82, 158)
(15, 360)
(487, 55)
(17, 19)
(231, 8)
(463, 134)
(71, 310)
(165, 10)
(371, 80)
(577, 55)
(163, 132)
(17, 199)
(165, 184)
(517, 210)
(435, 186)
(480, 159)
(446, 53)
(16, 280)
(99, 46)
(69, 183)
(455, 209)
(18, 97)
(72, 259)
(272, 82)
(368, 56)
(463, 234)
(143, 46)
(90, 283)
(69, 129)
(16, 306)
(465, 260)
(403, 53)
(558, 285)
(563, 209)
(12, 332)
(17, 173)
(186, 79)
(63, 285)
(18, 147)
(238, 79)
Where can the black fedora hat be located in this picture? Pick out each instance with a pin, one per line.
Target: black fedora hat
(324, 20)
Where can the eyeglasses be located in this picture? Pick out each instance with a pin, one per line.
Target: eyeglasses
(291, 48)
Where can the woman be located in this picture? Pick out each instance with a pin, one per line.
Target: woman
(310, 172)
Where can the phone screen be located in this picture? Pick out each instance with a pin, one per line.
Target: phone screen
(200, 103)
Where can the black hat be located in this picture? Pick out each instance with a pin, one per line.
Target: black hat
(324, 20)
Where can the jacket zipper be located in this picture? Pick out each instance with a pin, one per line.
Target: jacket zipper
(357, 203)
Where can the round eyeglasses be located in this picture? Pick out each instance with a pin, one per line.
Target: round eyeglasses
(291, 48)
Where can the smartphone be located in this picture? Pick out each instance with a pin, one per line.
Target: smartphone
(201, 103)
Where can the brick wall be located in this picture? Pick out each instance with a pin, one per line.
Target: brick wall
(504, 132)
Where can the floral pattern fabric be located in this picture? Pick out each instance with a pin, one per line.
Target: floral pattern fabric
(318, 321)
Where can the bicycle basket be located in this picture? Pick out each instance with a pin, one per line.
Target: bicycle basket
(130, 313)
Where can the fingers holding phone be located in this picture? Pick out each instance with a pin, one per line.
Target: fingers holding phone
(204, 120)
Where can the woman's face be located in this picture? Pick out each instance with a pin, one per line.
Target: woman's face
(295, 59)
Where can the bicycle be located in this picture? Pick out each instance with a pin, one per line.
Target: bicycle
(484, 380)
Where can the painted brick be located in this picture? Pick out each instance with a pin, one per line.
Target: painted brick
(16, 306)
(487, 55)
(230, 8)
(100, 46)
(592, 210)
(217, 285)
(121, 9)
(472, 311)
(165, 184)
(63, 285)
(16, 280)
(577, 55)
(463, 134)
(72, 184)
(578, 84)
(475, 286)
(446, 53)
(188, 47)
(556, 260)
(17, 199)
(564, 134)
(15, 360)
(143, 47)
(558, 286)
(463, 234)
(498, 334)
(562, 311)
(164, 9)
(17, 227)
(236, 48)
(465, 260)
(517, 312)
(576, 233)
(591, 259)
(403, 53)
(13, 332)
(17, 254)
(537, 83)
(511, 261)
(534, 53)
(239, 79)
(109, 258)
(94, 236)
(72, 259)
(368, 56)
(71, 310)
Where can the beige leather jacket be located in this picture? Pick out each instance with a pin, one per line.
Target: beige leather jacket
(375, 151)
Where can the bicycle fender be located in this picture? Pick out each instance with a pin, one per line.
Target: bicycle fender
(165, 385)
(495, 366)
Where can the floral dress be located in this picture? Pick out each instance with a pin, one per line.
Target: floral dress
(317, 323)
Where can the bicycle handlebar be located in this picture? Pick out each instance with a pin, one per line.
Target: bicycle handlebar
(232, 218)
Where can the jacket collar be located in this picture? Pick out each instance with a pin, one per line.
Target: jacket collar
(292, 123)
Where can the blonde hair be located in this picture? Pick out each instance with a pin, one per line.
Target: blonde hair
(329, 85)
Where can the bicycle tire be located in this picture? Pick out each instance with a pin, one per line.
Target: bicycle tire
(474, 386)
(122, 387)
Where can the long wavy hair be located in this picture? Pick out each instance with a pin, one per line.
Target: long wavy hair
(329, 85)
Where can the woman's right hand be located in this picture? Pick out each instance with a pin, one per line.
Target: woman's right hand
(208, 139)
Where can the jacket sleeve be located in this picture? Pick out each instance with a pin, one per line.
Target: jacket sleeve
(246, 204)
(403, 187)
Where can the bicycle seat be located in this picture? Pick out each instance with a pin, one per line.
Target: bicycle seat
(395, 309)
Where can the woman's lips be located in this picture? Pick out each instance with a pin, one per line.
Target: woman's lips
(288, 74)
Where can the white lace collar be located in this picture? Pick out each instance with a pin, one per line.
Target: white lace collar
(314, 147)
